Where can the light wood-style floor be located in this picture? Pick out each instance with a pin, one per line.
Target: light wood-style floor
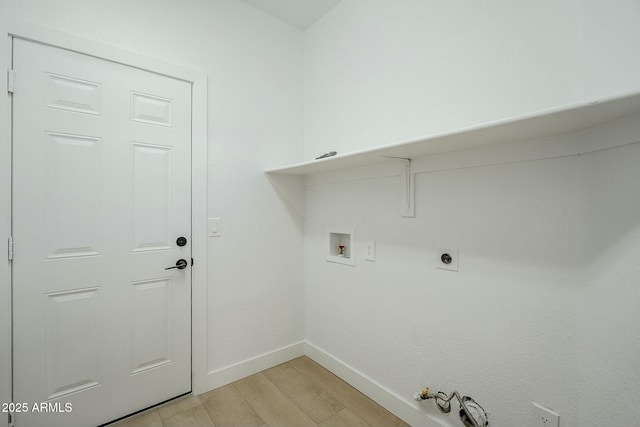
(298, 393)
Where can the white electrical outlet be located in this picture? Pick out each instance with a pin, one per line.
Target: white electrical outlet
(370, 254)
(544, 417)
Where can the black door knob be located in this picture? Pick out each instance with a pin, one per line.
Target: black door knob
(446, 258)
(181, 264)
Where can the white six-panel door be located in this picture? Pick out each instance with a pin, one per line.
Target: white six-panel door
(101, 192)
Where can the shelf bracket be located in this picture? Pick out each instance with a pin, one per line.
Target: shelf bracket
(407, 193)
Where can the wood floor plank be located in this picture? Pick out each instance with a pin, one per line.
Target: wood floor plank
(358, 403)
(228, 408)
(193, 417)
(299, 393)
(271, 404)
(306, 394)
(345, 418)
(149, 418)
(178, 405)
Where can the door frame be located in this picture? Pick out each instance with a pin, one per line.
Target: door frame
(199, 166)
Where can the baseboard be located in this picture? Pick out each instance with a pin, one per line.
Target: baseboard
(229, 374)
(403, 407)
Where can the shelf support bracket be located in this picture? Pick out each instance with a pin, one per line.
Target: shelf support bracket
(407, 193)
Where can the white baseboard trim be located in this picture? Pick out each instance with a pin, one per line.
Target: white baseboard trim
(235, 372)
(404, 408)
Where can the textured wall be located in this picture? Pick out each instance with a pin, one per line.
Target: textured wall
(542, 309)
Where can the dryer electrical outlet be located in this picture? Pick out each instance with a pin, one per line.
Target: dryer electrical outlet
(447, 259)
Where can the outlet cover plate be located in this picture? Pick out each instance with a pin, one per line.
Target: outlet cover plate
(544, 417)
(370, 250)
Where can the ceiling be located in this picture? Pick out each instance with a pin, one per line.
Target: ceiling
(299, 13)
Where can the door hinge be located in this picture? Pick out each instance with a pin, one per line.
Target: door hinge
(11, 422)
(11, 81)
(10, 245)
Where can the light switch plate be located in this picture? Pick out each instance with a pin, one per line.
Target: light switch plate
(214, 227)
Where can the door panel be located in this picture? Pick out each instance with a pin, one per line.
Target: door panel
(67, 93)
(101, 191)
(151, 109)
(73, 184)
(151, 165)
(151, 332)
(73, 341)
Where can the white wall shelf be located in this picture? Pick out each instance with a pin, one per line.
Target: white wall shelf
(542, 124)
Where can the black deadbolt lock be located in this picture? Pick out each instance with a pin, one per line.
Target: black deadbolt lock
(446, 258)
(181, 241)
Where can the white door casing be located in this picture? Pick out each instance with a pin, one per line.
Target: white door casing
(101, 191)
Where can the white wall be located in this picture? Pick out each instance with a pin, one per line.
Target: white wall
(608, 323)
(544, 307)
(254, 64)
(379, 72)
